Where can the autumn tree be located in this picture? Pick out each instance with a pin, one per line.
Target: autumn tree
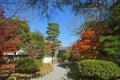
(9, 36)
(53, 32)
(88, 46)
(14, 34)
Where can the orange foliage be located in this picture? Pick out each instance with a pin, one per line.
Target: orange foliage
(49, 45)
(9, 36)
(89, 45)
(11, 45)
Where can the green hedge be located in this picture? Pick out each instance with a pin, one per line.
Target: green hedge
(98, 69)
(26, 66)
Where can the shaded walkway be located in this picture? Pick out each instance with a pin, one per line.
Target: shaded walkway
(59, 73)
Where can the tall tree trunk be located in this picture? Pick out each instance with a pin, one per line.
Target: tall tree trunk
(55, 54)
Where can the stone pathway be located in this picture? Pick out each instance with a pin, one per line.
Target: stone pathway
(59, 73)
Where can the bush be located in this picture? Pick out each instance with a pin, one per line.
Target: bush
(26, 66)
(98, 69)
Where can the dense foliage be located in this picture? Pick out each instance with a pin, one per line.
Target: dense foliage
(98, 69)
(36, 45)
(26, 66)
(63, 55)
(111, 42)
(23, 30)
(111, 45)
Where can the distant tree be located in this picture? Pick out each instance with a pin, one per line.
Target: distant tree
(53, 32)
(63, 55)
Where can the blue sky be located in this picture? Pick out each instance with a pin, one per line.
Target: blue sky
(67, 21)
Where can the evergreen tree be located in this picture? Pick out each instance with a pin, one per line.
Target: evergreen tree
(36, 46)
(53, 32)
(111, 42)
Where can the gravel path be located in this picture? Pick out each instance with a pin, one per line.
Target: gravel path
(59, 73)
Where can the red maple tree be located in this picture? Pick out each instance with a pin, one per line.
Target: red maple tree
(88, 45)
(9, 36)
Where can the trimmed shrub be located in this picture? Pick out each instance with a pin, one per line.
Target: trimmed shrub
(98, 69)
(26, 66)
